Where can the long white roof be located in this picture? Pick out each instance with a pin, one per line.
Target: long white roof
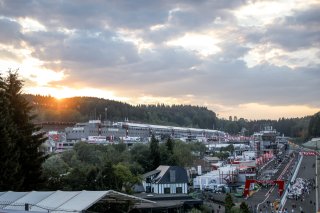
(60, 201)
(166, 127)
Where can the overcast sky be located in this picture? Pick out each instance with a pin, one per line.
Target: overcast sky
(251, 59)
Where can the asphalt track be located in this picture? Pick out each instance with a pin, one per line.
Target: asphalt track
(307, 203)
(266, 199)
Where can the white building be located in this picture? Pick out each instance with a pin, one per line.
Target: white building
(223, 175)
(166, 180)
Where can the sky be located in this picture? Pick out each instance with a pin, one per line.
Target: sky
(256, 59)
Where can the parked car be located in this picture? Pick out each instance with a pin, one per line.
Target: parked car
(216, 188)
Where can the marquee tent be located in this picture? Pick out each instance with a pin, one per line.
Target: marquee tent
(60, 201)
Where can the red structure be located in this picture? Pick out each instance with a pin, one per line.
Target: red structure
(248, 182)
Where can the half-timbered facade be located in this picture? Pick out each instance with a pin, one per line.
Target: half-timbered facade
(166, 180)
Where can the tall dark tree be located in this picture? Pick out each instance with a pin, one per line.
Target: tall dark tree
(154, 152)
(140, 154)
(314, 126)
(29, 139)
(244, 208)
(228, 203)
(9, 166)
(170, 145)
(170, 158)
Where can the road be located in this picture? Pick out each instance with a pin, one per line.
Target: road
(269, 194)
(290, 167)
(307, 203)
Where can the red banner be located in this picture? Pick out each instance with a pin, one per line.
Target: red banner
(309, 153)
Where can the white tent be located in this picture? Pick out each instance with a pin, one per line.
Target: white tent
(313, 144)
(60, 201)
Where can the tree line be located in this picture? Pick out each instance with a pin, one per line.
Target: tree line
(290, 127)
(81, 109)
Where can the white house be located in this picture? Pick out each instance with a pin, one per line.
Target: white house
(166, 180)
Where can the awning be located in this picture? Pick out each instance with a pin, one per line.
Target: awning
(61, 201)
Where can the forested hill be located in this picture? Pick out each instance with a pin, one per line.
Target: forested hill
(80, 109)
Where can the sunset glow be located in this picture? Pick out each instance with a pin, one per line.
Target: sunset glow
(251, 59)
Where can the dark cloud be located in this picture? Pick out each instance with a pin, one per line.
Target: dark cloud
(232, 83)
(82, 49)
(153, 68)
(89, 14)
(298, 31)
(10, 32)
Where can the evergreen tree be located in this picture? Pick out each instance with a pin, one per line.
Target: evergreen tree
(170, 145)
(228, 203)
(244, 208)
(314, 126)
(154, 152)
(9, 166)
(171, 158)
(29, 139)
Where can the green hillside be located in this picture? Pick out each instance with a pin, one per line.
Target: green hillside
(84, 108)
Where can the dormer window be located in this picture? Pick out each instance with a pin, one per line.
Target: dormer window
(172, 176)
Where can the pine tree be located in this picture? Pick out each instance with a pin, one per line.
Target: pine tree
(170, 145)
(171, 159)
(228, 203)
(29, 139)
(314, 126)
(244, 208)
(9, 166)
(154, 152)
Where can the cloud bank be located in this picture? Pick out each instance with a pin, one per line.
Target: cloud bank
(231, 56)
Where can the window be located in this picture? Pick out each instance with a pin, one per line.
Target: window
(148, 189)
(166, 190)
(148, 180)
(172, 176)
(179, 190)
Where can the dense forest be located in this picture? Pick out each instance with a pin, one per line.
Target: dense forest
(79, 109)
(84, 108)
(291, 127)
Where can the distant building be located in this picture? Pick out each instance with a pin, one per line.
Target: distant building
(135, 132)
(166, 180)
(211, 159)
(56, 142)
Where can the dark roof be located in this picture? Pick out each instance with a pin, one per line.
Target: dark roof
(163, 173)
(167, 201)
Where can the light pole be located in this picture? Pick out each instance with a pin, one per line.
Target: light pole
(317, 190)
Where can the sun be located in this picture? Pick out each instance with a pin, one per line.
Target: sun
(59, 98)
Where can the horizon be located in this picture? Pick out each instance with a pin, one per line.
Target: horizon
(250, 59)
(170, 105)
